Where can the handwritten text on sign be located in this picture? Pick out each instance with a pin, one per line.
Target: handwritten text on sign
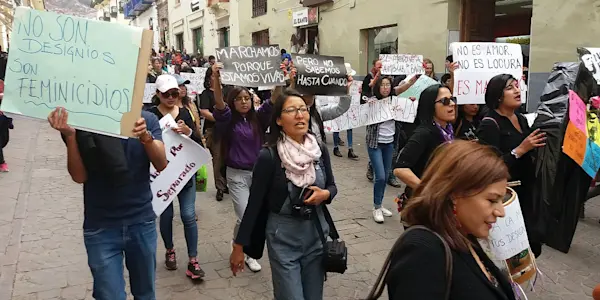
(508, 236)
(185, 158)
(320, 75)
(251, 66)
(401, 64)
(377, 111)
(478, 63)
(59, 60)
(196, 86)
(591, 60)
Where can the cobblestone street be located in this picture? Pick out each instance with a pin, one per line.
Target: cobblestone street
(42, 255)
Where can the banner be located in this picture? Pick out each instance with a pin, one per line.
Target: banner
(196, 86)
(478, 63)
(251, 66)
(373, 112)
(320, 75)
(591, 59)
(401, 64)
(59, 60)
(185, 158)
(508, 236)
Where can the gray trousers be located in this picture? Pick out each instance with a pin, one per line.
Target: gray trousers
(239, 182)
(296, 257)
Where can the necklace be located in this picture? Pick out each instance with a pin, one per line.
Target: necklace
(484, 269)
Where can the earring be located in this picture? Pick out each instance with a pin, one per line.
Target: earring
(456, 217)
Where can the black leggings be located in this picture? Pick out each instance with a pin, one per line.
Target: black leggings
(1, 156)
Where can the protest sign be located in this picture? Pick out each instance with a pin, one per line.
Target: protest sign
(334, 100)
(320, 75)
(508, 236)
(149, 92)
(373, 112)
(478, 63)
(401, 64)
(415, 91)
(251, 66)
(59, 60)
(185, 158)
(196, 85)
(591, 59)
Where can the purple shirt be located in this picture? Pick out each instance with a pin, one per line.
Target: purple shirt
(244, 144)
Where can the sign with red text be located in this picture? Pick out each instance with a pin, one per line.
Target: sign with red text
(373, 112)
(478, 63)
(185, 158)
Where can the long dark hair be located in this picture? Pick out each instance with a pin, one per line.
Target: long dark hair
(208, 78)
(377, 87)
(275, 131)
(426, 109)
(494, 92)
(314, 113)
(236, 117)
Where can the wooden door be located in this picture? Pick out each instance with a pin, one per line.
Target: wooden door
(477, 20)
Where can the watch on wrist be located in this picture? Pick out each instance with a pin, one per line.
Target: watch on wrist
(149, 138)
(513, 152)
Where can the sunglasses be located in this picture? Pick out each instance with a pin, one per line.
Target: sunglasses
(446, 100)
(171, 94)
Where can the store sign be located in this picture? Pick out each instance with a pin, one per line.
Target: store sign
(305, 16)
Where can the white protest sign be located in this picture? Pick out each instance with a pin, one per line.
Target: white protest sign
(591, 60)
(401, 64)
(508, 236)
(478, 63)
(149, 92)
(196, 86)
(185, 158)
(373, 112)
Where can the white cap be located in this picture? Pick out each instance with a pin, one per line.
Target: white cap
(165, 83)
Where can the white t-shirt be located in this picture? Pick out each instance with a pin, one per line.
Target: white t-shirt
(387, 130)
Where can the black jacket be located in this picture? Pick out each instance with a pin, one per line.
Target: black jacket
(418, 272)
(268, 192)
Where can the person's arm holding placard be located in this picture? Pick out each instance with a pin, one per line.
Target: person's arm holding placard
(58, 119)
(331, 112)
(405, 85)
(222, 112)
(147, 130)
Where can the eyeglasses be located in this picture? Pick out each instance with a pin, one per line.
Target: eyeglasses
(386, 85)
(293, 111)
(171, 94)
(242, 99)
(446, 100)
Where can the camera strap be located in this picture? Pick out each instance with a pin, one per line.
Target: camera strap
(332, 230)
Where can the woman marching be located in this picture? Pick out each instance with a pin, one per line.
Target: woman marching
(291, 183)
(166, 101)
(241, 130)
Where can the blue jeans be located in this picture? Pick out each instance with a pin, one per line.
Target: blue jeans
(336, 138)
(187, 207)
(106, 248)
(381, 160)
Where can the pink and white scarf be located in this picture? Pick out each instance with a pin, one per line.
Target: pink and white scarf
(298, 159)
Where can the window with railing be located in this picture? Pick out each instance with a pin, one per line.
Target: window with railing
(260, 38)
(259, 8)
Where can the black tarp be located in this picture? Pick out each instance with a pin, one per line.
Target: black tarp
(561, 184)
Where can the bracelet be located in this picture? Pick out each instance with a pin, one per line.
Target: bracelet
(513, 152)
(149, 140)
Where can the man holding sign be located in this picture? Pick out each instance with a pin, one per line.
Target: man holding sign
(119, 222)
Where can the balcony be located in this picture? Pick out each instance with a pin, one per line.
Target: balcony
(211, 3)
(309, 3)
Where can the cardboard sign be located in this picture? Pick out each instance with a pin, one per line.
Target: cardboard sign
(320, 75)
(251, 66)
(591, 59)
(508, 236)
(401, 64)
(185, 158)
(480, 62)
(196, 86)
(373, 112)
(149, 92)
(59, 60)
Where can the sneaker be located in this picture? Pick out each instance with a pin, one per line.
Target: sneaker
(336, 152)
(341, 143)
(378, 215)
(4, 167)
(370, 172)
(219, 195)
(351, 154)
(171, 260)
(194, 271)
(394, 181)
(253, 264)
(386, 212)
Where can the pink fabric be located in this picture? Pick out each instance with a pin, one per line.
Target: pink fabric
(298, 159)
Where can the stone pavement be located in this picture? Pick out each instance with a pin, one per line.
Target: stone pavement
(42, 255)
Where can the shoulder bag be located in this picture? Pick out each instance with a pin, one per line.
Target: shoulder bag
(377, 289)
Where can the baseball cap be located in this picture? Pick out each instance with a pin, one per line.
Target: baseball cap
(166, 82)
(180, 80)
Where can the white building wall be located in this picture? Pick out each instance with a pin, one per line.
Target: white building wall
(144, 19)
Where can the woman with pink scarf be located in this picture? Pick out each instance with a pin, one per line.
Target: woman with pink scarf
(292, 182)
